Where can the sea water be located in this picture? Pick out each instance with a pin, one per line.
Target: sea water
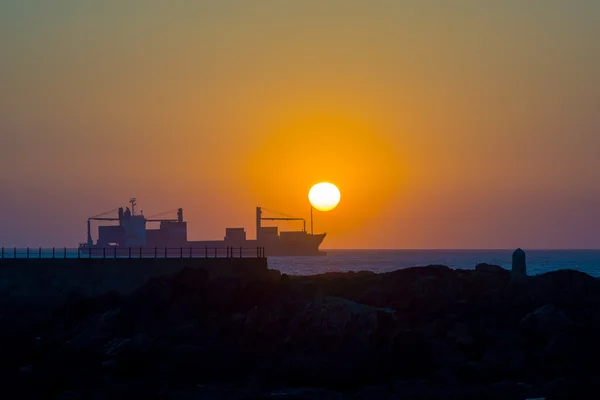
(538, 261)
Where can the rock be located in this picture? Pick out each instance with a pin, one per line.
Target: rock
(504, 361)
(548, 320)
(413, 355)
(110, 364)
(519, 266)
(187, 355)
(70, 395)
(118, 347)
(574, 291)
(339, 319)
(564, 349)
(26, 370)
(437, 332)
(461, 334)
(483, 267)
(302, 393)
(438, 328)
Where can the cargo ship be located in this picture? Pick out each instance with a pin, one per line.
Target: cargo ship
(131, 232)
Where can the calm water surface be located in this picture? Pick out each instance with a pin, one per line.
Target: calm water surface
(538, 261)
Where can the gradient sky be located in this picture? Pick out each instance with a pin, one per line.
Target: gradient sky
(446, 124)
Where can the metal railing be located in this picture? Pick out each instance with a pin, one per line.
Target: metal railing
(132, 252)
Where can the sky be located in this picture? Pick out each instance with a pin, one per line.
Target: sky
(445, 124)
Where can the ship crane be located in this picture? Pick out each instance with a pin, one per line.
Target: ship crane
(260, 218)
(98, 217)
(153, 218)
(285, 219)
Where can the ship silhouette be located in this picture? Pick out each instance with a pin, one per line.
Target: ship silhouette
(131, 232)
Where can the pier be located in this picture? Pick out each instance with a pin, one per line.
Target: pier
(132, 252)
(50, 275)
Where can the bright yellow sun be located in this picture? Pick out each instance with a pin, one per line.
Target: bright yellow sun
(324, 196)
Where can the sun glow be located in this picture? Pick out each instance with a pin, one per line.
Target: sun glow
(324, 196)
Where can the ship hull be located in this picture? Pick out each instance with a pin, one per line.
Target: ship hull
(308, 246)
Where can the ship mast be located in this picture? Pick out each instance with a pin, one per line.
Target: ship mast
(132, 201)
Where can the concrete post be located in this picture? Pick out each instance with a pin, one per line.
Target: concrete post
(519, 266)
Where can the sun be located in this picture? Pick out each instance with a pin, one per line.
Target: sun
(324, 196)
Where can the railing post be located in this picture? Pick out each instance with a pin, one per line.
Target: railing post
(181, 252)
(115, 251)
(2, 252)
(27, 251)
(129, 251)
(140, 251)
(78, 252)
(227, 252)
(155, 251)
(103, 252)
(165, 252)
(65, 252)
(15, 252)
(190, 251)
(53, 251)
(240, 252)
(215, 252)
(206, 251)
(90, 253)
(40, 253)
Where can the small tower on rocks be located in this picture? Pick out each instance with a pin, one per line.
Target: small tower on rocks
(519, 266)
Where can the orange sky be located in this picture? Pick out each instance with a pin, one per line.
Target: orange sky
(445, 125)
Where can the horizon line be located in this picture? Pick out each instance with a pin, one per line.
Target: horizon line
(463, 249)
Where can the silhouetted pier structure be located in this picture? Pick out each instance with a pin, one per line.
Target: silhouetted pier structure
(131, 252)
(48, 275)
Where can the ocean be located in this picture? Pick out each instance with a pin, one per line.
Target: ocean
(538, 261)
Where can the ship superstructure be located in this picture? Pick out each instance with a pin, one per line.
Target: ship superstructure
(132, 232)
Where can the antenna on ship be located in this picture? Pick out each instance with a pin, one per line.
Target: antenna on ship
(132, 201)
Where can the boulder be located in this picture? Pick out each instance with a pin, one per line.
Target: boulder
(339, 319)
(548, 320)
(489, 268)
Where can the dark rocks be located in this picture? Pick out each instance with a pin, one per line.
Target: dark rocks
(427, 332)
(504, 361)
(338, 319)
(489, 268)
(547, 320)
(461, 334)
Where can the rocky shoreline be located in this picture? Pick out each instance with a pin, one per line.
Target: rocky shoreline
(425, 332)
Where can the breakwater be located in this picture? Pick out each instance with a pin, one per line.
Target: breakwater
(427, 332)
(50, 280)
